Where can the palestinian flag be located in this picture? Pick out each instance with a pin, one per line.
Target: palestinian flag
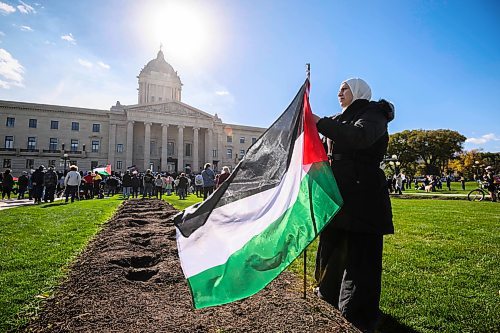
(276, 201)
(106, 171)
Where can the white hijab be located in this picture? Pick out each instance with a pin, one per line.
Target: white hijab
(359, 88)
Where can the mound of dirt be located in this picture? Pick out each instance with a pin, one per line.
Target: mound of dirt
(129, 280)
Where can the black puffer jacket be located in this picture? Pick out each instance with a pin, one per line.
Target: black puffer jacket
(359, 140)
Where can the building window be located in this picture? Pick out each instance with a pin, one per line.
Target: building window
(188, 151)
(53, 144)
(119, 165)
(229, 153)
(242, 153)
(30, 163)
(10, 122)
(119, 148)
(9, 142)
(170, 148)
(74, 145)
(32, 123)
(214, 153)
(73, 163)
(93, 164)
(159, 99)
(96, 128)
(152, 99)
(52, 163)
(95, 146)
(54, 124)
(253, 140)
(31, 143)
(152, 147)
(242, 139)
(229, 139)
(75, 126)
(6, 163)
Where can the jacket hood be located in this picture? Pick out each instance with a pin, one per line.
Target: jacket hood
(388, 108)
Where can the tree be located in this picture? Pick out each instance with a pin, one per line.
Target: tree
(432, 149)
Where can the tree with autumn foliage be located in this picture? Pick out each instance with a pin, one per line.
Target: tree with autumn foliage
(425, 151)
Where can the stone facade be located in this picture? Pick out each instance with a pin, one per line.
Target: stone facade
(159, 133)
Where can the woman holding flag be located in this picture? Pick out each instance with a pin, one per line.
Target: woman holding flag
(349, 258)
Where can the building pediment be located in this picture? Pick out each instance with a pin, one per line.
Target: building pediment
(173, 108)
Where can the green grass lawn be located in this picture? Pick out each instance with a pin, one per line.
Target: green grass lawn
(456, 188)
(441, 267)
(36, 245)
(181, 204)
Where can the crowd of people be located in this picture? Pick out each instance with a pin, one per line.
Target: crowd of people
(46, 184)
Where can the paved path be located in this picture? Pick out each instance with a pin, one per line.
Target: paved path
(11, 203)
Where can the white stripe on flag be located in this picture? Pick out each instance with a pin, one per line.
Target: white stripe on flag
(231, 226)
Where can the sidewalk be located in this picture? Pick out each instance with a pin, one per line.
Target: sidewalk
(11, 203)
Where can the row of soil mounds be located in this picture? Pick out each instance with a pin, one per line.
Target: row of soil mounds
(129, 280)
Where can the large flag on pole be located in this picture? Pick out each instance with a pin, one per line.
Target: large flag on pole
(106, 171)
(276, 201)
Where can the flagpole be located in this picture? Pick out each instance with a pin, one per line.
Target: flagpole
(308, 76)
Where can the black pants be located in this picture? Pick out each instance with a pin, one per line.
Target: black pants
(349, 273)
(71, 191)
(207, 191)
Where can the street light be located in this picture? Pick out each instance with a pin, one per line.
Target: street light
(65, 159)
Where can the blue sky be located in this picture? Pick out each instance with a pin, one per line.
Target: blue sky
(438, 61)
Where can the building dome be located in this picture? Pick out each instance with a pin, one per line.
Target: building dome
(159, 82)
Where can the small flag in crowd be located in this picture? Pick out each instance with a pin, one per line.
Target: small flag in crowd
(274, 204)
(106, 171)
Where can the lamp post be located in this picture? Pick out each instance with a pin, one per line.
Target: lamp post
(65, 156)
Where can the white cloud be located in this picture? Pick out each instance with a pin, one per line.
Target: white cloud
(25, 28)
(25, 8)
(103, 65)
(85, 63)
(222, 92)
(69, 38)
(2, 33)
(10, 70)
(6, 8)
(483, 139)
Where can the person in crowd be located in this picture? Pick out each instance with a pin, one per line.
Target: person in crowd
(136, 184)
(462, 182)
(198, 185)
(398, 184)
(349, 258)
(158, 182)
(489, 179)
(50, 184)
(88, 185)
(22, 183)
(168, 181)
(127, 184)
(97, 183)
(223, 176)
(112, 184)
(148, 181)
(448, 182)
(72, 182)
(37, 184)
(182, 186)
(7, 183)
(208, 181)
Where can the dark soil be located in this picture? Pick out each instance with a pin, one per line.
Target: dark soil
(129, 280)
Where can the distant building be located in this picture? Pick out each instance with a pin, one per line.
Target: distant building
(159, 133)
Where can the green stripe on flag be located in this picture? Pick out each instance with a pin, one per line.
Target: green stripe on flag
(266, 255)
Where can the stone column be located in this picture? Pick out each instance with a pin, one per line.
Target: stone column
(180, 149)
(147, 144)
(130, 142)
(164, 147)
(195, 150)
(209, 146)
(111, 145)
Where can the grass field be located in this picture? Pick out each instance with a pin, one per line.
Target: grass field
(36, 245)
(441, 269)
